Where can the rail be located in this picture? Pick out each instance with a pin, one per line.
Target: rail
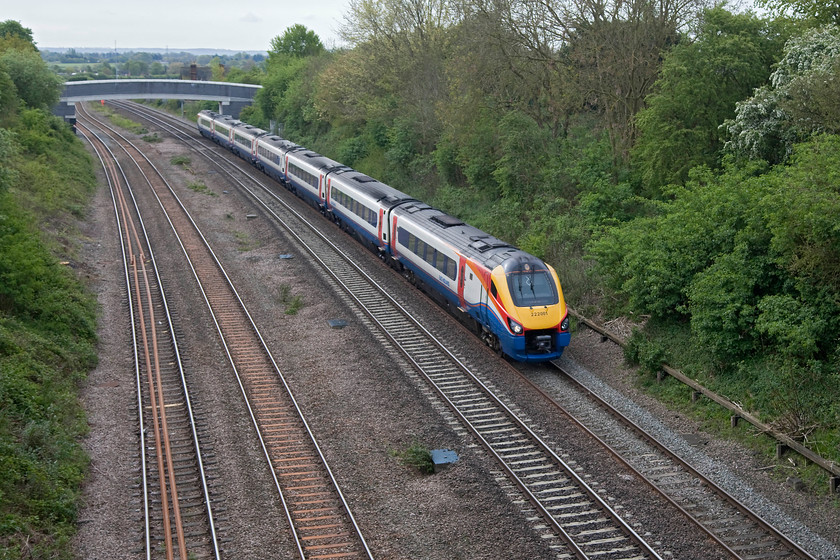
(783, 441)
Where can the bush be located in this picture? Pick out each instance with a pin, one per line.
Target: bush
(416, 456)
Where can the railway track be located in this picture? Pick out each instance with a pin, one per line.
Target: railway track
(571, 509)
(738, 530)
(319, 517)
(179, 519)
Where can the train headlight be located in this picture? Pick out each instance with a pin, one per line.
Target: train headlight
(564, 324)
(515, 327)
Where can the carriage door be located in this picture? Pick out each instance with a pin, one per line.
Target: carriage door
(327, 188)
(462, 269)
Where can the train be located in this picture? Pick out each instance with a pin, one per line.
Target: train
(512, 300)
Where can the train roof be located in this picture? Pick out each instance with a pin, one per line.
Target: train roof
(226, 120)
(469, 240)
(277, 142)
(248, 129)
(386, 195)
(315, 159)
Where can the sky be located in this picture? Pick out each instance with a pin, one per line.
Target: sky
(176, 25)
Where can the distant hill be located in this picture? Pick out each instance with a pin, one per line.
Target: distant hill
(88, 50)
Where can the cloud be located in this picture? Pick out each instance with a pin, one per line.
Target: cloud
(250, 17)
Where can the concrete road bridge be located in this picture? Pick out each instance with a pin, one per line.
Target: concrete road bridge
(231, 97)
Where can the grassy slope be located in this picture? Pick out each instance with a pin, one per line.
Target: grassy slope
(47, 340)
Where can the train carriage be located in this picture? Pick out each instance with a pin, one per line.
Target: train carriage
(244, 141)
(271, 155)
(360, 204)
(223, 130)
(306, 173)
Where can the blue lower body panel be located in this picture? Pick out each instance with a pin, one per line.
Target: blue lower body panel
(516, 346)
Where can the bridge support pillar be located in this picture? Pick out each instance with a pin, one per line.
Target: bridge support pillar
(66, 111)
(232, 108)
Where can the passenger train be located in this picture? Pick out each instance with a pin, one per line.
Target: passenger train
(511, 299)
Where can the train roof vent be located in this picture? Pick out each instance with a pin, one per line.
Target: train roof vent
(484, 243)
(413, 207)
(363, 179)
(480, 245)
(446, 220)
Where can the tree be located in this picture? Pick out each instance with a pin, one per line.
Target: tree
(612, 48)
(297, 42)
(13, 29)
(767, 125)
(406, 44)
(8, 150)
(817, 11)
(700, 83)
(36, 85)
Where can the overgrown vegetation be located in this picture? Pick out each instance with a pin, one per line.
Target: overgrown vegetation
(201, 187)
(244, 242)
(183, 161)
(119, 120)
(47, 318)
(416, 456)
(292, 303)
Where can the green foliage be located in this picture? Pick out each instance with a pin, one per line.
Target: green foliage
(47, 338)
(297, 41)
(12, 28)
(524, 149)
(416, 456)
(722, 303)
(813, 11)
(768, 124)
(752, 262)
(61, 187)
(9, 100)
(200, 187)
(292, 303)
(678, 130)
(653, 261)
(182, 160)
(8, 150)
(475, 151)
(36, 85)
(795, 335)
(644, 352)
(285, 97)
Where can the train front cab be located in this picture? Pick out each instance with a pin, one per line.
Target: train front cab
(533, 308)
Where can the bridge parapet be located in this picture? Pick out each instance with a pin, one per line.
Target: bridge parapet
(232, 97)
